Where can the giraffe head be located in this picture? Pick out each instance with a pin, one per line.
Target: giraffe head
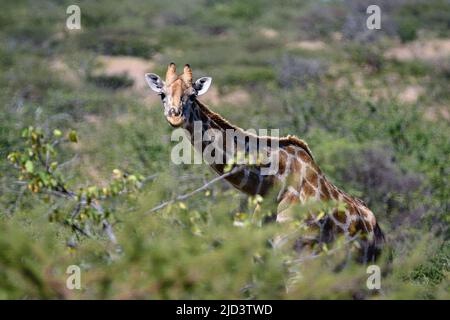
(177, 92)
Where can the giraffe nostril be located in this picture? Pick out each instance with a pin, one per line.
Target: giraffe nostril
(174, 112)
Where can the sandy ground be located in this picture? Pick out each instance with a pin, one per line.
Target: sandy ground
(411, 94)
(235, 97)
(307, 45)
(434, 113)
(430, 50)
(268, 33)
(62, 68)
(134, 67)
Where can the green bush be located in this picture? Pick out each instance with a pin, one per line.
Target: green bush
(111, 81)
(417, 15)
(117, 43)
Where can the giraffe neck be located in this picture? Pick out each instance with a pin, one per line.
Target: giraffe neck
(249, 178)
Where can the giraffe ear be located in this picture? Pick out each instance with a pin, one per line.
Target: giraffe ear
(154, 82)
(202, 85)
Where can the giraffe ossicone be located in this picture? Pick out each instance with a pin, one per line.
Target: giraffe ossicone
(294, 175)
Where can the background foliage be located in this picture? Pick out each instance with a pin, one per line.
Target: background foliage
(373, 106)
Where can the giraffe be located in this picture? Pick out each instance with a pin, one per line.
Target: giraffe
(297, 180)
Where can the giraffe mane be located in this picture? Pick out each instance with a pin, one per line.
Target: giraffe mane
(225, 124)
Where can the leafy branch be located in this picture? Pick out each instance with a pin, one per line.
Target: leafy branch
(39, 170)
(200, 189)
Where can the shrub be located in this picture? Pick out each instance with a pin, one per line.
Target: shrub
(298, 71)
(113, 82)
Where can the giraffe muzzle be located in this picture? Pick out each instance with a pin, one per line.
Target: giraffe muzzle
(175, 117)
(174, 112)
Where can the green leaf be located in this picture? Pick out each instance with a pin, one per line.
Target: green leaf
(29, 166)
(57, 133)
(73, 136)
(132, 178)
(117, 174)
(12, 157)
(54, 165)
(182, 205)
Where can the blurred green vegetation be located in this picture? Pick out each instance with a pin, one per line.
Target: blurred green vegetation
(377, 124)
